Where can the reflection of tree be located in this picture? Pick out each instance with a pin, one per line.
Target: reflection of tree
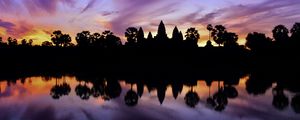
(55, 92)
(280, 100)
(59, 90)
(98, 89)
(83, 91)
(191, 98)
(210, 101)
(230, 91)
(220, 99)
(296, 103)
(112, 90)
(258, 84)
(131, 98)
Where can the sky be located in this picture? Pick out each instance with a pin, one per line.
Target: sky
(37, 19)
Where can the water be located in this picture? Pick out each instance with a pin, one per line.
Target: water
(68, 97)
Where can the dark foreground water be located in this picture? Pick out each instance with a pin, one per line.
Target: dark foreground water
(68, 98)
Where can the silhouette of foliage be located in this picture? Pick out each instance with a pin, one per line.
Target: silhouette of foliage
(296, 103)
(98, 40)
(230, 40)
(220, 99)
(280, 101)
(84, 39)
(191, 99)
(218, 34)
(60, 39)
(12, 42)
(131, 98)
(131, 35)
(192, 37)
(83, 91)
(280, 34)
(210, 28)
(24, 42)
(47, 44)
(295, 37)
(110, 40)
(258, 41)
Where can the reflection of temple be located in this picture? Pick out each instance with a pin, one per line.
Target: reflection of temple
(108, 88)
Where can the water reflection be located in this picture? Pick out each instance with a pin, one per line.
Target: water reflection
(217, 95)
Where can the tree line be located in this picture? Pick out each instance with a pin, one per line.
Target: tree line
(282, 37)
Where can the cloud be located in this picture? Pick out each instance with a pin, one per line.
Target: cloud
(33, 7)
(138, 13)
(260, 17)
(16, 29)
(7, 25)
(89, 5)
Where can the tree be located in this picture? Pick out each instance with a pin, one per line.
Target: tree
(84, 39)
(131, 35)
(295, 31)
(110, 40)
(98, 41)
(60, 39)
(218, 34)
(66, 40)
(12, 42)
(257, 41)
(24, 42)
(1, 42)
(280, 34)
(192, 37)
(47, 44)
(30, 42)
(209, 28)
(56, 38)
(230, 40)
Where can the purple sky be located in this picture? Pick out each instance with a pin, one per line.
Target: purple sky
(36, 19)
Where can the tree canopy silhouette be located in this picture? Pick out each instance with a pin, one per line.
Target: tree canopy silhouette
(60, 39)
(84, 39)
(131, 35)
(258, 41)
(192, 37)
(280, 34)
(295, 37)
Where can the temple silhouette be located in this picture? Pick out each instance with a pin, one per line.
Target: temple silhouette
(158, 61)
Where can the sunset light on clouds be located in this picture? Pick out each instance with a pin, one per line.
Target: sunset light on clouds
(37, 19)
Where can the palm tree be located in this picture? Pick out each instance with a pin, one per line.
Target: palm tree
(131, 97)
(209, 28)
(191, 98)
